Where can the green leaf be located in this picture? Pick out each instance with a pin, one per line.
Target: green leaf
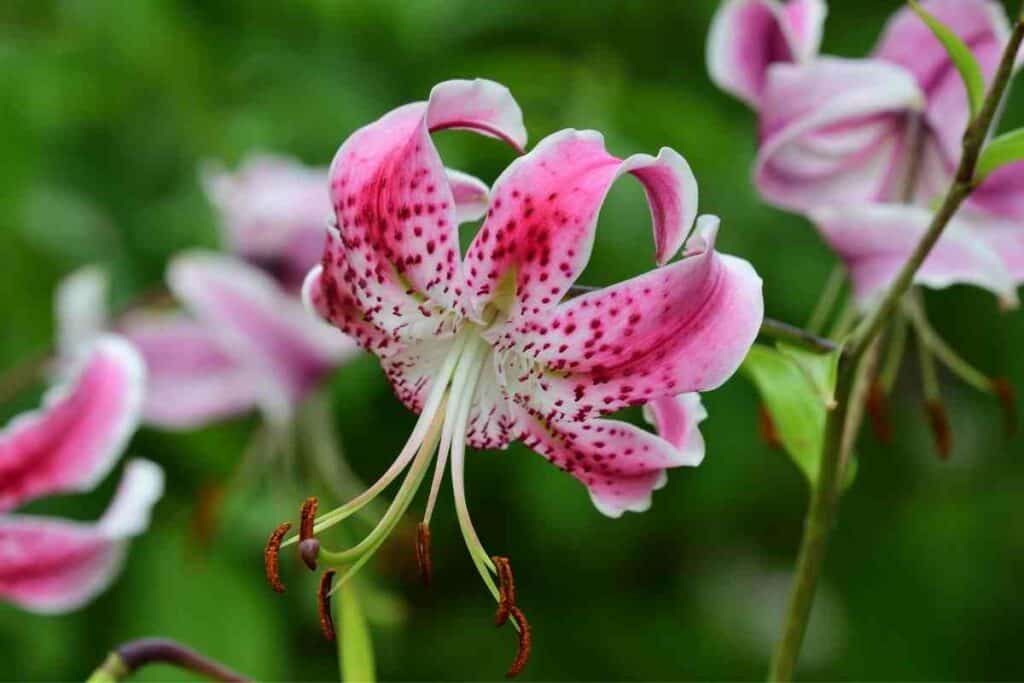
(355, 648)
(797, 388)
(963, 58)
(1005, 149)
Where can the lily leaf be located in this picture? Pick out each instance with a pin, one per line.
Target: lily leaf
(963, 58)
(797, 388)
(1003, 150)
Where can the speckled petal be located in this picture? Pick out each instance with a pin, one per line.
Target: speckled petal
(539, 231)
(73, 440)
(52, 566)
(396, 245)
(681, 328)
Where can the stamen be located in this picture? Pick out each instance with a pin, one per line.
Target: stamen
(270, 554)
(423, 559)
(1008, 399)
(939, 422)
(307, 516)
(525, 644)
(324, 605)
(878, 410)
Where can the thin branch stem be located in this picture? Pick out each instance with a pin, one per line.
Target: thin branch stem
(825, 493)
(132, 656)
(827, 300)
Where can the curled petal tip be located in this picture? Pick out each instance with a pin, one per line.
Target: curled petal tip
(1008, 400)
(938, 420)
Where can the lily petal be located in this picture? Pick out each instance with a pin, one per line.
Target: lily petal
(52, 566)
(73, 440)
(681, 328)
(273, 213)
(396, 244)
(193, 377)
(269, 331)
(471, 195)
(81, 310)
(620, 464)
(835, 129)
(1002, 194)
(540, 227)
(677, 419)
(748, 36)
(875, 240)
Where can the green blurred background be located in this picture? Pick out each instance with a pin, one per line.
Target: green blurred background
(106, 110)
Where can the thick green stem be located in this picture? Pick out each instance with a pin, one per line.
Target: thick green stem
(825, 493)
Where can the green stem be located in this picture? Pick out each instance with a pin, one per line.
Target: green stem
(132, 656)
(827, 301)
(894, 354)
(825, 493)
(945, 353)
(797, 336)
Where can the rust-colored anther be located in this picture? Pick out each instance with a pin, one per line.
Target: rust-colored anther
(307, 517)
(766, 427)
(1008, 399)
(270, 554)
(878, 411)
(324, 605)
(525, 643)
(423, 557)
(943, 434)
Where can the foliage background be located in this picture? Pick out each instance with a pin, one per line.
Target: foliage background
(106, 110)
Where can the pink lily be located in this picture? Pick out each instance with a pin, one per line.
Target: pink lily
(484, 347)
(885, 129)
(748, 36)
(69, 445)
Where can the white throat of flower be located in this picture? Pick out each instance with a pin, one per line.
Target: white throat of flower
(442, 429)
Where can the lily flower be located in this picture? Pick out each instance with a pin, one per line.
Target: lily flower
(69, 445)
(485, 346)
(748, 36)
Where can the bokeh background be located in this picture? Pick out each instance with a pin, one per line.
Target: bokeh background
(108, 108)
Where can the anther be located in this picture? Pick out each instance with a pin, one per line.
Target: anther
(766, 428)
(1008, 399)
(878, 411)
(324, 605)
(525, 644)
(423, 559)
(270, 554)
(939, 422)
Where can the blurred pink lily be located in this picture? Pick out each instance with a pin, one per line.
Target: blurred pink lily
(748, 36)
(53, 565)
(484, 347)
(884, 129)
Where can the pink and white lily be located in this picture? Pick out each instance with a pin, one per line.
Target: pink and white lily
(748, 36)
(69, 445)
(485, 346)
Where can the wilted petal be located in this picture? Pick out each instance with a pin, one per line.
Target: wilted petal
(835, 130)
(677, 419)
(544, 207)
(471, 196)
(748, 36)
(194, 379)
(267, 330)
(681, 328)
(621, 465)
(875, 241)
(396, 245)
(273, 212)
(73, 440)
(52, 565)
(81, 310)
